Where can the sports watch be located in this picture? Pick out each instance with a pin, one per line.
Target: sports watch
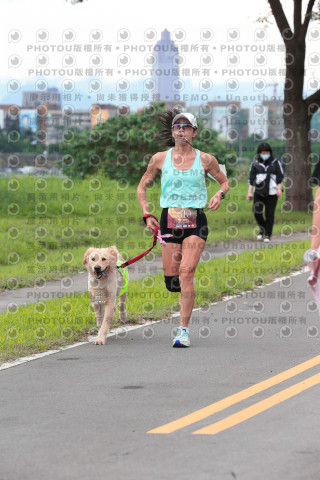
(222, 194)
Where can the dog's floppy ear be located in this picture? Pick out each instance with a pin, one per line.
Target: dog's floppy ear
(114, 251)
(113, 256)
(84, 261)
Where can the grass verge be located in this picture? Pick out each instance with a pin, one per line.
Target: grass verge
(46, 224)
(55, 323)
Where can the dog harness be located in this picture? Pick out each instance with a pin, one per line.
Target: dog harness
(124, 273)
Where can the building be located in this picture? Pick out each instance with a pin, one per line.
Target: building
(103, 112)
(221, 116)
(224, 116)
(239, 121)
(165, 65)
(56, 122)
(2, 117)
(51, 97)
(49, 124)
(259, 124)
(180, 106)
(28, 119)
(9, 117)
(275, 118)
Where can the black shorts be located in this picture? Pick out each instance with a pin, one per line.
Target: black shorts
(179, 234)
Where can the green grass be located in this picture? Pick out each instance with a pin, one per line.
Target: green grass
(54, 323)
(47, 223)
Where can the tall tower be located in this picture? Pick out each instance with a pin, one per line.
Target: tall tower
(166, 67)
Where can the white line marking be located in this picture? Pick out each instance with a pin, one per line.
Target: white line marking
(120, 330)
(113, 332)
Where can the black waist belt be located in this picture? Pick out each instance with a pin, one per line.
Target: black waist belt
(199, 210)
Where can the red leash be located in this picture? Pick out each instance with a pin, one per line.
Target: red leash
(155, 238)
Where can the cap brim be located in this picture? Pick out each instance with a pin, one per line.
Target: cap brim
(191, 119)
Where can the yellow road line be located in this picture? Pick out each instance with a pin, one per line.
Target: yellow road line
(235, 398)
(259, 407)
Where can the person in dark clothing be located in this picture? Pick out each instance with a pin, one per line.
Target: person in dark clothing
(266, 176)
(312, 255)
(315, 179)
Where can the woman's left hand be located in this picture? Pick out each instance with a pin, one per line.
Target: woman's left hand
(279, 193)
(214, 202)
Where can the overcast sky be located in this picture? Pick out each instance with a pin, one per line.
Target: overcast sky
(33, 30)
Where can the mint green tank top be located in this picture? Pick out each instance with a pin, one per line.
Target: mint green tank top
(183, 188)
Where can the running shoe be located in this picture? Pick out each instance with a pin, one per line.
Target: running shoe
(260, 235)
(182, 338)
(267, 240)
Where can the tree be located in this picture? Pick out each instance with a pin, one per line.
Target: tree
(122, 146)
(297, 110)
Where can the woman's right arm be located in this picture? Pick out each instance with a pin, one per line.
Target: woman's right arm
(250, 194)
(251, 182)
(145, 182)
(315, 239)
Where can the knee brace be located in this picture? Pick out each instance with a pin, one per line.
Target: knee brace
(172, 283)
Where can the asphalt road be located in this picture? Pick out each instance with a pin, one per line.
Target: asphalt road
(85, 413)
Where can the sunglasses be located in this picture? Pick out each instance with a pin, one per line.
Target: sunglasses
(177, 126)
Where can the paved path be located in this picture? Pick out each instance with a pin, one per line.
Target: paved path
(149, 265)
(84, 413)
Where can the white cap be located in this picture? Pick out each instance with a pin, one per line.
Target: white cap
(192, 119)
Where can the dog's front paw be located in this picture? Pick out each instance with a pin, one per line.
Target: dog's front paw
(99, 341)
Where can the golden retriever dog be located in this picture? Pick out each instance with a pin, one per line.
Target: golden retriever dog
(106, 282)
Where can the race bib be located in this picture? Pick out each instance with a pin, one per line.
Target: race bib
(98, 296)
(182, 217)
